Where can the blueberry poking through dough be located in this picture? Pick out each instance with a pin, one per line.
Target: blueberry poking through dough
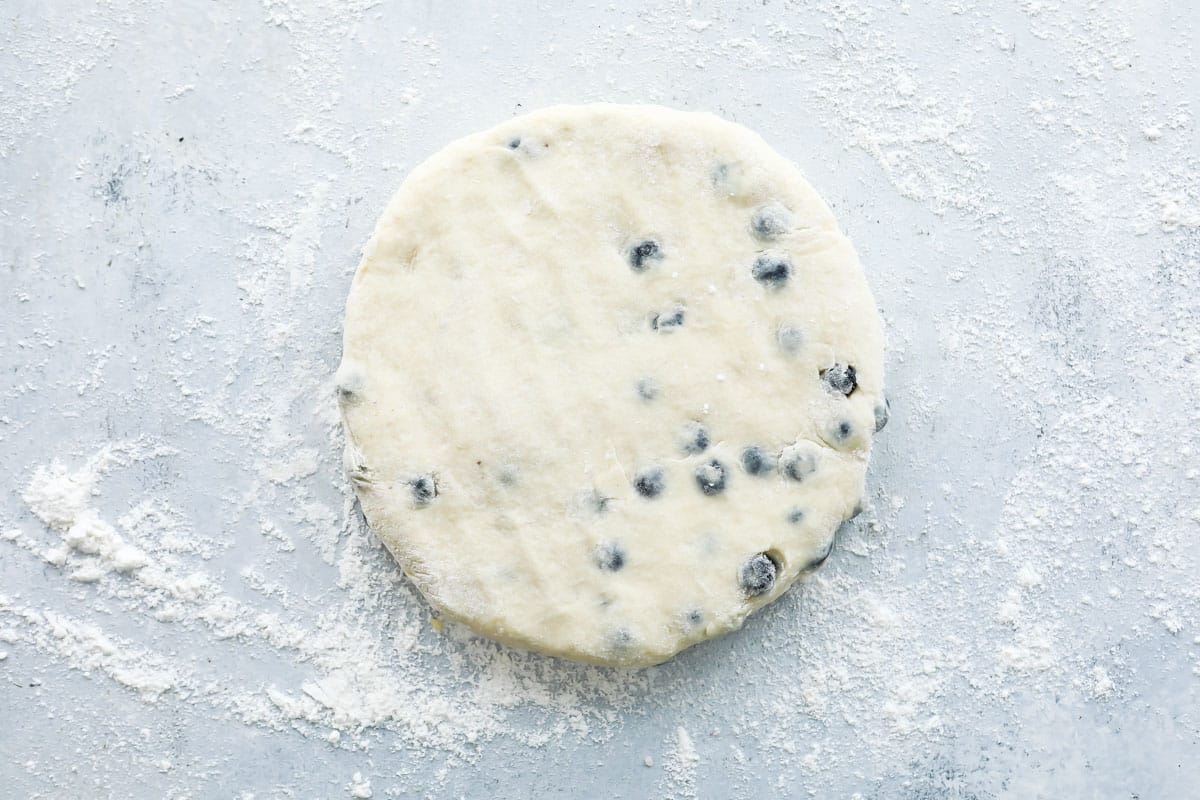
(647, 389)
(665, 323)
(797, 462)
(695, 617)
(643, 254)
(840, 378)
(771, 221)
(795, 516)
(514, 143)
(610, 556)
(820, 559)
(772, 271)
(650, 481)
(710, 477)
(757, 461)
(790, 338)
(883, 413)
(424, 489)
(757, 575)
(693, 438)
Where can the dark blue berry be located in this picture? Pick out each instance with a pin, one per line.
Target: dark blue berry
(710, 477)
(643, 253)
(840, 378)
(757, 461)
(757, 575)
(693, 438)
(513, 144)
(610, 556)
(647, 388)
(883, 412)
(842, 432)
(797, 464)
(424, 489)
(772, 271)
(650, 481)
(796, 516)
(695, 617)
(668, 322)
(771, 221)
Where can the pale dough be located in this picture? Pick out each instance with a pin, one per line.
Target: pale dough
(610, 379)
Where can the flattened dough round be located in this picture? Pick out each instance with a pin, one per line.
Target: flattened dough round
(610, 379)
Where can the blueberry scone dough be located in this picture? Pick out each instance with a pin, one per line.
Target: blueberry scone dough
(610, 379)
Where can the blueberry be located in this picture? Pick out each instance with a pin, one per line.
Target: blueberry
(772, 271)
(796, 516)
(650, 481)
(757, 575)
(598, 502)
(424, 489)
(621, 639)
(695, 617)
(819, 560)
(610, 556)
(693, 438)
(642, 253)
(841, 379)
(647, 388)
(883, 412)
(841, 432)
(771, 221)
(757, 461)
(666, 323)
(513, 144)
(790, 338)
(798, 462)
(710, 477)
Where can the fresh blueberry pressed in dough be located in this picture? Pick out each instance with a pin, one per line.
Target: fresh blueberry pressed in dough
(513, 144)
(771, 221)
(840, 378)
(883, 412)
(797, 464)
(647, 388)
(669, 321)
(693, 438)
(796, 516)
(841, 433)
(642, 254)
(650, 481)
(610, 556)
(757, 574)
(710, 477)
(790, 338)
(598, 502)
(757, 461)
(819, 560)
(772, 270)
(424, 489)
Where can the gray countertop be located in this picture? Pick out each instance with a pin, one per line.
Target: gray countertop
(191, 607)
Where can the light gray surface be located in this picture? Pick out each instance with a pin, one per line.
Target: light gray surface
(183, 191)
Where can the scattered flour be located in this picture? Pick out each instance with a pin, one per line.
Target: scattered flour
(1031, 544)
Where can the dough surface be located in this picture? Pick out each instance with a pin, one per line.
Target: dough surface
(610, 379)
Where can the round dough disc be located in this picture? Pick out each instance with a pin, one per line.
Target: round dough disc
(610, 379)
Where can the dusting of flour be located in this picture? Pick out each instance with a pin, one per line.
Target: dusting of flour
(1015, 613)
